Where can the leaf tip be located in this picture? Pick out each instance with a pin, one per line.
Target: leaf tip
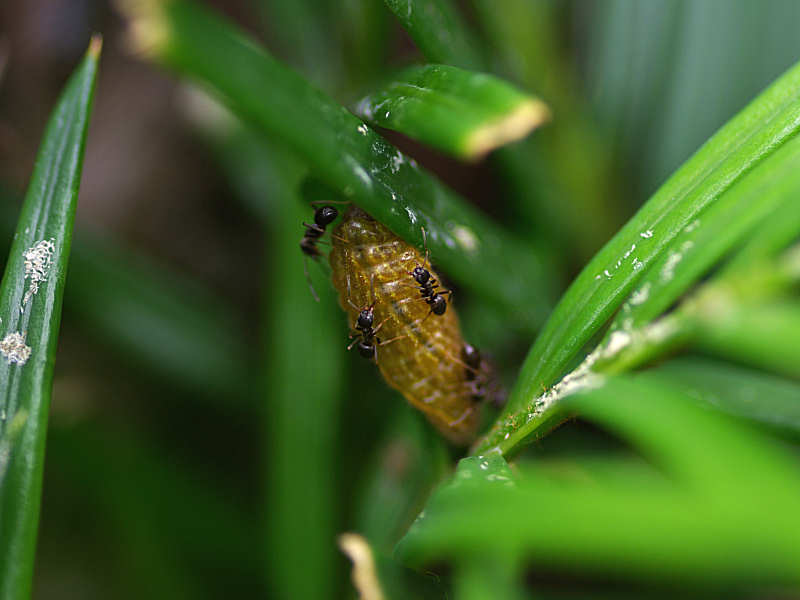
(95, 46)
(365, 575)
(147, 27)
(519, 122)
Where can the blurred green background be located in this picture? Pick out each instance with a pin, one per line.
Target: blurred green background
(209, 436)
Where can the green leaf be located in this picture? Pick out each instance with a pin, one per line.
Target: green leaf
(463, 113)
(406, 466)
(438, 31)
(752, 137)
(734, 390)
(774, 234)
(764, 336)
(771, 187)
(723, 505)
(33, 312)
(302, 30)
(301, 420)
(489, 577)
(347, 155)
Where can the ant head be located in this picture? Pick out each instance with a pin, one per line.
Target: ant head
(325, 215)
(421, 275)
(366, 318)
(471, 355)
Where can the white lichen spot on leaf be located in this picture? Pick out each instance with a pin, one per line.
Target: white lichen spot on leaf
(466, 238)
(14, 348)
(38, 260)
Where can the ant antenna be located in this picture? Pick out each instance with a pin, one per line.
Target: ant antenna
(349, 300)
(315, 202)
(372, 287)
(425, 244)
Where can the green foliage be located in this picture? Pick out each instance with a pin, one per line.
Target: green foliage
(720, 190)
(30, 307)
(438, 31)
(710, 508)
(673, 473)
(460, 112)
(349, 156)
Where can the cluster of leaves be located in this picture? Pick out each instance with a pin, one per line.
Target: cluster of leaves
(703, 494)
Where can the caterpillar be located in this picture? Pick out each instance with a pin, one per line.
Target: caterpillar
(370, 268)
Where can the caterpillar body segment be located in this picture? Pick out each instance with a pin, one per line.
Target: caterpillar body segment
(370, 267)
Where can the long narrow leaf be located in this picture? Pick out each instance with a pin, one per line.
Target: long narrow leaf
(750, 138)
(461, 112)
(301, 410)
(765, 336)
(773, 186)
(738, 391)
(346, 154)
(30, 308)
(439, 31)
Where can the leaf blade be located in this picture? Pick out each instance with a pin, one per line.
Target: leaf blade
(47, 214)
(439, 31)
(461, 112)
(749, 138)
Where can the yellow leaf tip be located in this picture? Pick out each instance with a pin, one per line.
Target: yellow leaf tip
(365, 575)
(147, 27)
(515, 125)
(95, 46)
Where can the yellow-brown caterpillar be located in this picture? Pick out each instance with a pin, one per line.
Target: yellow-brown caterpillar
(371, 267)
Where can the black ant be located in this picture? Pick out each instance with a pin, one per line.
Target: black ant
(473, 360)
(323, 216)
(366, 335)
(428, 284)
(480, 377)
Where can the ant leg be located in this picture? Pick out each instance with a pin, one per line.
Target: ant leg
(353, 343)
(380, 325)
(389, 341)
(337, 237)
(455, 359)
(308, 279)
(384, 343)
(460, 419)
(430, 312)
